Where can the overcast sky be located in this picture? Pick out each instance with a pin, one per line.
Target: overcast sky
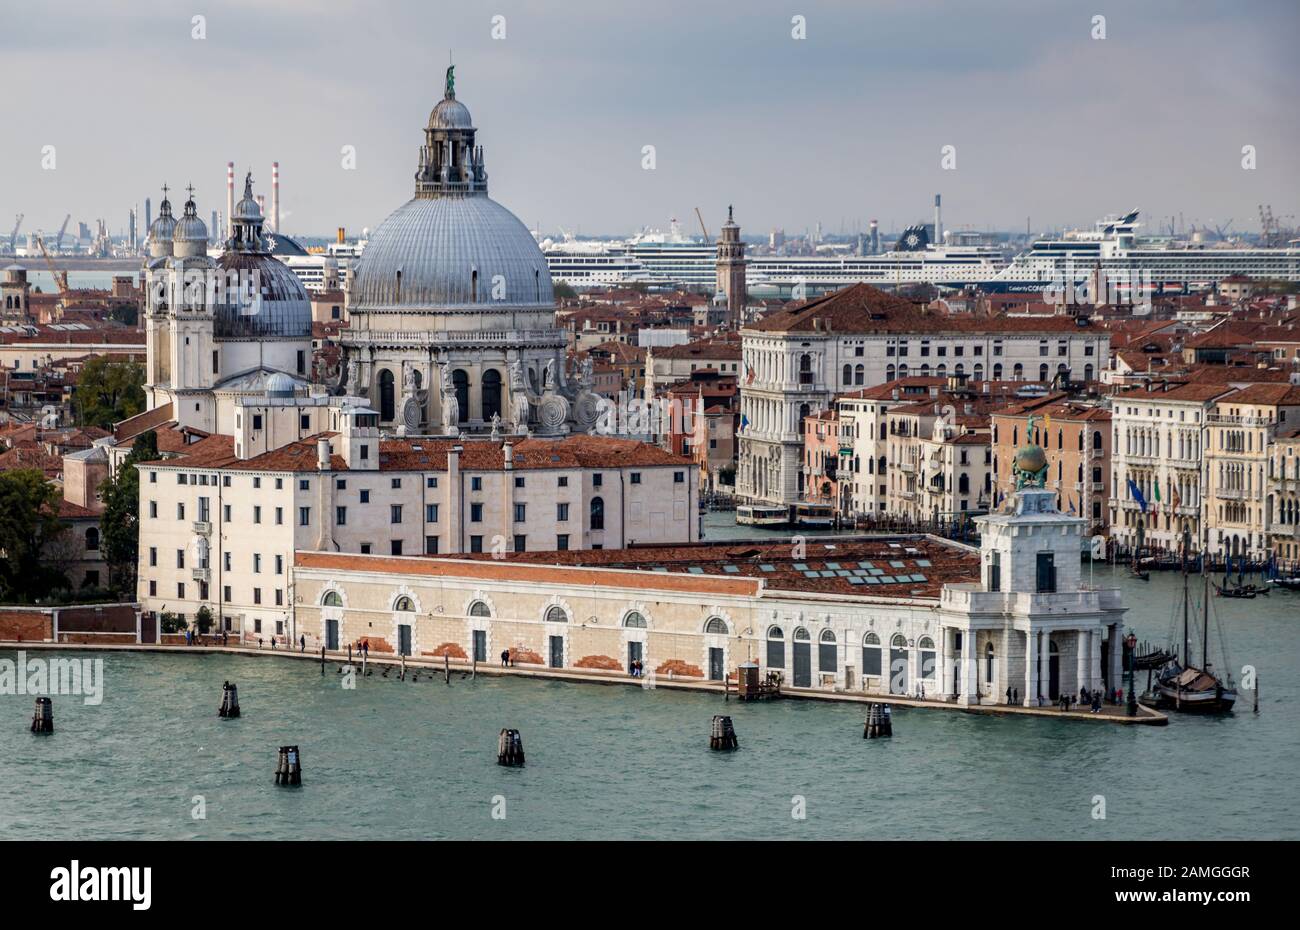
(1048, 123)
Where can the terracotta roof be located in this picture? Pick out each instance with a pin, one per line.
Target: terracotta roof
(720, 347)
(862, 308)
(142, 422)
(31, 455)
(1280, 394)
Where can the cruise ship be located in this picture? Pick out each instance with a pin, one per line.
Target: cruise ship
(1114, 249)
(672, 259)
(1112, 246)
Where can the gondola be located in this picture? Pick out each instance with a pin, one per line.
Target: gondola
(1225, 591)
(1286, 584)
(1186, 687)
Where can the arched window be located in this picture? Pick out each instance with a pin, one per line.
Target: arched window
(827, 658)
(997, 372)
(899, 641)
(963, 484)
(555, 614)
(848, 374)
(404, 605)
(1096, 440)
(1087, 372)
(92, 539)
(597, 513)
(775, 647)
(479, 609)
(1018, 372)
(331, 599)
(491, 393)
(889, 373)
(871, 655)
(988, 662)
(1042, 372)
(634, 620)
(805, 369)
(774, 632)
(859, 375)
(925, 369)
(926, 643)
(927, 657)
(387, 406)
(715, 625)
(801, 635)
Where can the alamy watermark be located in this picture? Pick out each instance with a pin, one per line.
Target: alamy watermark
(61, 676)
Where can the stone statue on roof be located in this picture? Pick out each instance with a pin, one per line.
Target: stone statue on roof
(451, 81)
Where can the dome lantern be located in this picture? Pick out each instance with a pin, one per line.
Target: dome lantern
(450, 163)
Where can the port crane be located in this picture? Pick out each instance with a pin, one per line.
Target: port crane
(704, 228)
(58, 243)
(60, 277)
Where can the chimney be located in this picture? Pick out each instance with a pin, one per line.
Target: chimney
(340, 239)
(230, 197)
(323, 454)
(938, 227)
(275, 196)
(508, 450)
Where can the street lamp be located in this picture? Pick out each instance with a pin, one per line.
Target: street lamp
(1131, 642)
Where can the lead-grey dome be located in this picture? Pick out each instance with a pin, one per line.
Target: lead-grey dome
(450, 113)
(437, 245)
(280, 310)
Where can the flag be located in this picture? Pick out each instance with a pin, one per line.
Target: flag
(744, 421)
(1175, 499)
(749, 374)
(1157, 490)
(1134, 490)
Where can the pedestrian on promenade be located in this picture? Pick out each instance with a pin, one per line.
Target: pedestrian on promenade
(505, 658)
(1008, 695)
(225, 638)
(259, 642)
(272, 642)
(1015, 695)
(302, 642)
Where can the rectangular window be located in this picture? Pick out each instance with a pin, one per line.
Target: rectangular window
(153, 510)
(365, 548)
(561, 513)
(257, 422)
(279, 484)
(341, 484)
(279, 517)
(180, 590)
(395, 483)
(476, 544)
(521, 513)
(365, 495)
(302, 362)
(562, 542)
(1046, 573)
(636, 477)
(431, 545)
(279, 597)
(180, 511)
(153, 556)
(395, 547)
(475, 513)
(340, 516)
(595, 480)
(257, 514)
(679, 477)
(519, 481)
(225, 513)
(180, 558)
(279, 565)
(257, 563)
(430, 513)
(257, 482)
(365, 451)
(225, 481)
(153, 477)
(153, 588)
(257, 595)
(562, 481)
(304, 422)
(394, 513)
(304, 484)
(476, 484)
(304, 516)
(226, 559)
(521, 543)
(431, 481)
(225, 591)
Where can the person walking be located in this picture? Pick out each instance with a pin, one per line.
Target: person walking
(505, 658)
(302, 642)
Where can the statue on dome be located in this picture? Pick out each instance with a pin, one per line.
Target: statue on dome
(1030, 465)
(451, 81)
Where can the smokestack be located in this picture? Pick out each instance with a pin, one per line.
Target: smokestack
(875, 238)
(148, 215)
(275, 196)
(230, 196)
(938, 226)
(261, 204)
(340, 235)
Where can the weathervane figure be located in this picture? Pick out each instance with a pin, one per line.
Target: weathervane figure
(451, 80)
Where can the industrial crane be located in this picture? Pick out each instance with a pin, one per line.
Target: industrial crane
(60, 277)
(13, 236)
(699, 217)
(58, 243)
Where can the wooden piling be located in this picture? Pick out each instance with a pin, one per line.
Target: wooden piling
(229, 701)
(322, 660)
(43, 716)
(288, 766)
(510, 748)
(446, 667)
(879, 722)
(722, 735)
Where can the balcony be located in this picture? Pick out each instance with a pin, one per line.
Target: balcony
(971, 598)
(201, 574)
(203, 527)
(1230, 494)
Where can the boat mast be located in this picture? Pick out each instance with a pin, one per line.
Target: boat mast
(1186, 658)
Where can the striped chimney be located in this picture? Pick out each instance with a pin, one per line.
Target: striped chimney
(275, 196)
(230, 197)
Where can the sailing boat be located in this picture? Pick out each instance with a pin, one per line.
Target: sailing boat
(1188, 687)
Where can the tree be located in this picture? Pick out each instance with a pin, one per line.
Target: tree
(29, 519)
(563, 290)
(109, 390)
(203, 619)
(119, 526)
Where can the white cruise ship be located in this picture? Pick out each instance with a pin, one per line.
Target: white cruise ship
(1114, 247)
(674, 260)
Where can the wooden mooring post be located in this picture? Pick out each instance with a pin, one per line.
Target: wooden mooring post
(43, 716)
(229, 701)
(510, 748)
(446, 667)
(879, 722)
(721, 734)
(288, 766)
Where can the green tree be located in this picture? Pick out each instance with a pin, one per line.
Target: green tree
(203, 619)
(563, 290)
(119, 525)
(29, 519)
(109, 390)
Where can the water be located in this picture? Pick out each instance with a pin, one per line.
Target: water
(397, 760)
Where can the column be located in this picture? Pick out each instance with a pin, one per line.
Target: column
(1116, 649)
(1094, 660)
(1031, 669)
(949, 634)
(970, 682)
(1044, 663)
(1083, 651)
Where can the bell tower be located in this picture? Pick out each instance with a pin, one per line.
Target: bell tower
(731, 271)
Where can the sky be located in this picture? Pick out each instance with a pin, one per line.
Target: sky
(1049, 125)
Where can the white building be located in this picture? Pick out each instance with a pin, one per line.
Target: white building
(795, 362)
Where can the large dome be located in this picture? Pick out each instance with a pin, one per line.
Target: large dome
(426, 253)
(281, 308)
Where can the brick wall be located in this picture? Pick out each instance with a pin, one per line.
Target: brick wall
(26, 624)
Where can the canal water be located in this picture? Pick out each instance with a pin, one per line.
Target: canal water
(403, 760)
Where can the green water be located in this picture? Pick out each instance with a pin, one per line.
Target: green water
(393, 760)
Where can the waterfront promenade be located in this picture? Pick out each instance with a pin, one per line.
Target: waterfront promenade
(435, 666)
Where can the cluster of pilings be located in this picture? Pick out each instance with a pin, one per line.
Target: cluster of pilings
(879, 721)
(43, 717)
(229, 701)
(722, 735)
(288, 768)
(510, 748)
